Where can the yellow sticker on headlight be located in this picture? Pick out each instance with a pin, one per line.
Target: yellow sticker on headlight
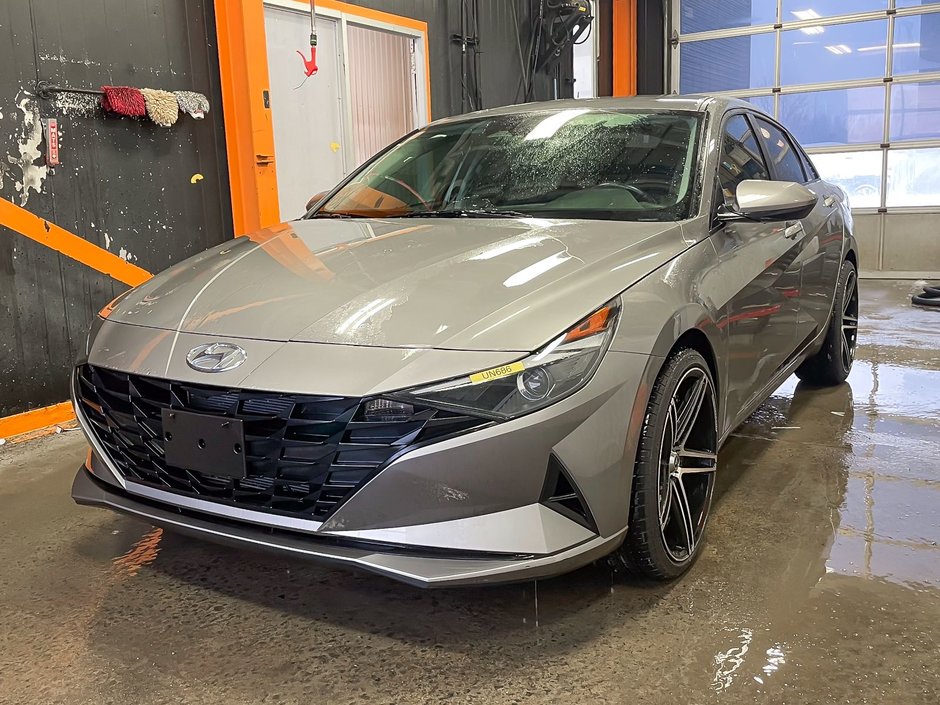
(497, 372)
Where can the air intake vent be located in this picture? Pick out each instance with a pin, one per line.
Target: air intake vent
(562, 495)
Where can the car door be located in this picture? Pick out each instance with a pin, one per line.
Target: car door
(760, 276)
(819, 235)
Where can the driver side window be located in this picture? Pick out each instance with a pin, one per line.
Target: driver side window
(740, 158)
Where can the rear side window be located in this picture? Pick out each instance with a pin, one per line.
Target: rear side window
(740, 157)
(787, 165)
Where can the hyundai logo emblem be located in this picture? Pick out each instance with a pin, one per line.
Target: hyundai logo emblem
(216, 357)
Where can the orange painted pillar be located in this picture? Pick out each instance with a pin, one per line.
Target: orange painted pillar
(623, 22)
(249, 133)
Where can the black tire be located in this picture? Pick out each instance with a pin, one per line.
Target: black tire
(832, 364)
(654, 546)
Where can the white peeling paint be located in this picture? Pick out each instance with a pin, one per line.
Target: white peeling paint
(31, 175)
(107, 241)
(126, 255)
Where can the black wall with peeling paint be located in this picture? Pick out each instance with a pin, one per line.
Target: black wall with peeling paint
(123, 184)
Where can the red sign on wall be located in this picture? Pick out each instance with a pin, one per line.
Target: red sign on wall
(52, 142)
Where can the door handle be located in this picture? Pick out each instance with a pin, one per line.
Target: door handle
(829, 201)
(793, 230)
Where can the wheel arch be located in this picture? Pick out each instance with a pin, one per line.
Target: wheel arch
(692, 327)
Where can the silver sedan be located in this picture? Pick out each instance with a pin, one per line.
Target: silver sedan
(509, 345)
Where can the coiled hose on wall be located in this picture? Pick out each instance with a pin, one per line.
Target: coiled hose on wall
(929, 297)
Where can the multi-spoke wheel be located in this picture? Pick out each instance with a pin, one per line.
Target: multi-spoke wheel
(832, 364)
(675, 470)
(849, 319)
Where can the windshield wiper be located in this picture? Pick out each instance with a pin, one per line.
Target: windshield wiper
(336, 214)
(464, 213)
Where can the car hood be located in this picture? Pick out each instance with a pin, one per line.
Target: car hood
(462, 284)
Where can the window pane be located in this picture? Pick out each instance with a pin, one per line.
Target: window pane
(840, 52)
(740, 157)
(917, 44)
(915, 111)
(705, 15)
(764, 102)
(786, 162)
(727, 64)
(858, 173)
(914, 177)
(796, 10)
(845, 116)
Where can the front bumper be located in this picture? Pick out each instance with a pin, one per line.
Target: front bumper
(464, 510)
(412, 568)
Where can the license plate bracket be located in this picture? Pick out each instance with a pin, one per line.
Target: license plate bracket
(212, 445)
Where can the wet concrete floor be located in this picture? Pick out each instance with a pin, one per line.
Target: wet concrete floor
(820, 582)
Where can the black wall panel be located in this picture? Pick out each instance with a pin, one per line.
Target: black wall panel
(123, 184)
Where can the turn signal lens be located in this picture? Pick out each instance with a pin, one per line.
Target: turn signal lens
(596, 323)
(109, 308)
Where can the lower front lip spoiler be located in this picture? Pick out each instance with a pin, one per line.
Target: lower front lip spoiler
(420, 571)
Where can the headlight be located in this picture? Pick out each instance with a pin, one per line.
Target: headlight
(557, 370)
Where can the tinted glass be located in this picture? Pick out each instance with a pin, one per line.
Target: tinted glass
(914, 177)
(845, 116)
(785, 160)
(740, 157)
(916, 44)
(915, 111)
(727, 64)
(840, 52)
(567, 163)
(705, 15)
(858, 173)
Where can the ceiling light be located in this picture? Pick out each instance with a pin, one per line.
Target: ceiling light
(838, 49)
(815, 29)
(806, 14)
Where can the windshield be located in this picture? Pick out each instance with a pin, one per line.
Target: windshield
(580, 163)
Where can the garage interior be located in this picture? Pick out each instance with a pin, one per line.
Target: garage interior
(820, 578)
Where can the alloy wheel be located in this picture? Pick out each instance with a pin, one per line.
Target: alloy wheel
(849, 319)
(688, 461)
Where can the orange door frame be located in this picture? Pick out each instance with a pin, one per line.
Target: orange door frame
(249, 131)
(624, 21)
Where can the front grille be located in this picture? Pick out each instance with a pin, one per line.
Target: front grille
(305, 454)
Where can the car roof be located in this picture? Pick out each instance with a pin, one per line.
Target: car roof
(693, 103)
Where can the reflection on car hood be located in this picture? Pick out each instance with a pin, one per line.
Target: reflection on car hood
(497, 284)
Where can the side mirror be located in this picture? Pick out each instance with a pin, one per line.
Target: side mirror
(316, 198)
(770, 200)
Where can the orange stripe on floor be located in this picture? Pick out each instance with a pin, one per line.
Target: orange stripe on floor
(30, 421)
(77, 248)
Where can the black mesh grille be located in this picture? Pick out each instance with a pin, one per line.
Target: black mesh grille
(305, 455)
